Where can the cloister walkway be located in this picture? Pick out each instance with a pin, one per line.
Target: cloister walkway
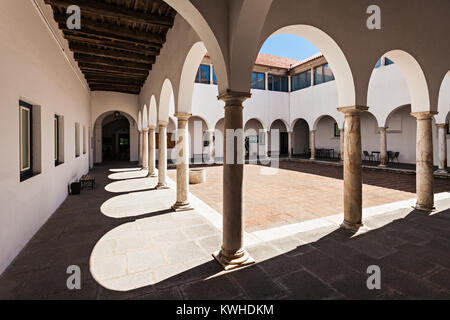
(309, 260)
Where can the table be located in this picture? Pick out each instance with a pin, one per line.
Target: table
(376, 154)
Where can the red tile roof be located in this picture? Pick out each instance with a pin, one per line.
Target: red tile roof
(269, 60)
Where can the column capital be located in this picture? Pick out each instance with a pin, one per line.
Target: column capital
(382, 128)
(234, 98)
(151, 128)
(424, 115)
(145, 130)
(184, 116)
(163, 123)
(352, 110)
(441, 125)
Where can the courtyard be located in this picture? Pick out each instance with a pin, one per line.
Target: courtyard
(130, 245)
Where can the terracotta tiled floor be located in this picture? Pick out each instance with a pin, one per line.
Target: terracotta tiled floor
(303, 191)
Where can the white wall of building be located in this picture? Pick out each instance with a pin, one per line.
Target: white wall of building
(33, 68)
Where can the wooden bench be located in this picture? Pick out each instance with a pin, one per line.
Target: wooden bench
(87, 181)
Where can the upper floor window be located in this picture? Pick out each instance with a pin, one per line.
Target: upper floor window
(388, 61)
(277, 83)
(378, 64)
(214, 76)
(203, 75)
(258, 81)
(77, 140)
(323, 74)
(26, 140)
(301, 80)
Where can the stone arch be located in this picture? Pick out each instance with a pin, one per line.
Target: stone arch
(300, 135)
(444, 100)
(97, 135)
(153, 112)
(187, 79)
(166, 101)
(414, 77)
(201, 26)
(333, 54)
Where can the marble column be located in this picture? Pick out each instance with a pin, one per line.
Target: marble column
(233, 253)
(162, 156)
(352, 167)
(290, 143)
(312, 144)
(151, 152)
(442, 142)
(341, 141)
(140, 148)
(182, 147)
(211, 146)
(145, 149)
(383, 147)
(424, 161)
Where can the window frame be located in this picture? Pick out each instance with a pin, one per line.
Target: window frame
(199, 79)
(255, 79)
(297, 77)
(57, 139)
(26, 172)
(274, 79)
(322, 76)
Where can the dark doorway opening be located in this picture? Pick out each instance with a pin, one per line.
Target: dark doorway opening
(116, 138)
(284, 143)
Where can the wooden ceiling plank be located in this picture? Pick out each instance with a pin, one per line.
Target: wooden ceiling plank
(111, 69)
(111, 62)
(119, 32)
(113, 11)
(76, 48)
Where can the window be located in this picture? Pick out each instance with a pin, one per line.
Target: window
(258, 81)
(57, 140)
(277, 83)
(203, 74)
(337, 131)
(322, 74)
(388, 61)
(301, 80)
(26, 140)
(378, 64)
(214, 76)
(77, 140)
(84, 140)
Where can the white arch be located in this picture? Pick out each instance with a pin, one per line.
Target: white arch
(139, 122)
(257, 119)
(144, 117)
(294, 122)
(286, 125)
(152, 112)
(316, 122)
(335, 57)
(444, 99)
(187, 79)
(193, 16)
(415, 79)
(165, 98)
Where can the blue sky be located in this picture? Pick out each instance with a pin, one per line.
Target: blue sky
(289, 46)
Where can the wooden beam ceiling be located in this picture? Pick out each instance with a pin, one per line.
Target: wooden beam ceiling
(118, 41)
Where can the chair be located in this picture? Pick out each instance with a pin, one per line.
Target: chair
(395, 156)
(367, 155)
(390, 156)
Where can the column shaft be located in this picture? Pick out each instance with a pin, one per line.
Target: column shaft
(383, 147)
(312, 143)
(162, 156)
(151, 152)
(182, 203)
(211, 146)
(352, 168)
(233, 253)
(442, 142)
(145, 149)
(140, 148)
(424, 161)
(342, 143)
(290, 143)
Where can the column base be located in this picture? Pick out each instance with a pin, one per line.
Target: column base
(239, 260)
(424, 207)
(181, 206)
(162, 186)
(441, 172)
(382, 165)
(152, 175)
(351, 226)
(312, 159)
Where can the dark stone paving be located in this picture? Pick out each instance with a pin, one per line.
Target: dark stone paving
(413, 254)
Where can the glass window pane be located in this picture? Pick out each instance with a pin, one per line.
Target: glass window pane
(270, 82)
(327, 73)
(318, 75)
(214, 76)
(378, 64)
(254, 82)
(388, 61)
(261, 81)
(25, 135)
(284, 84)
(204, 74)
